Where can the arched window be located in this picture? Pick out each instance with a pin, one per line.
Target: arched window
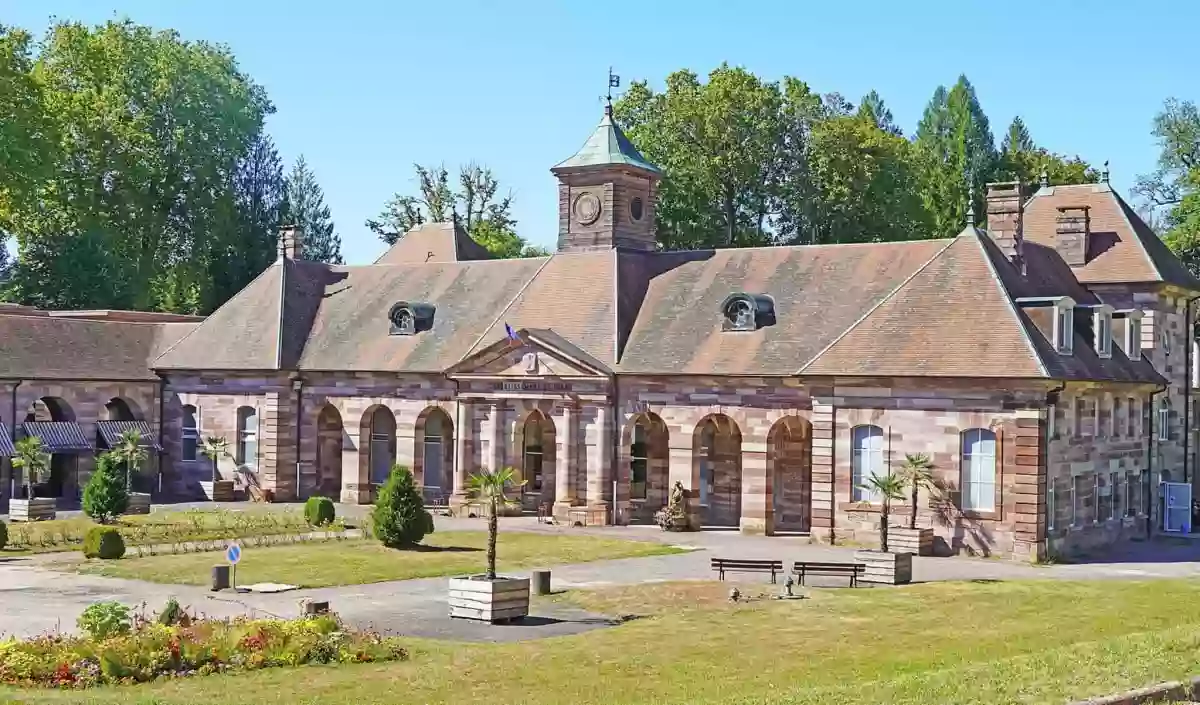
(978, 481)
(433, 451)
(190, 435)
(708, 460)
(247, 437)
(866, 461)
(639, 461)
(533, 453)
(383, 443)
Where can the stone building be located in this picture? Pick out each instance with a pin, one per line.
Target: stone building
(1043, 363)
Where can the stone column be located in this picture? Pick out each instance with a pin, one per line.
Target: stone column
(496, 413)
(600, 460)
(758, 507)
(1023, 483)
(682, 469)
(463, 424)
(823, 486)
(564, 468)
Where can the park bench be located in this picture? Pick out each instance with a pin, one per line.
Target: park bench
(729, 565)
(851, 570)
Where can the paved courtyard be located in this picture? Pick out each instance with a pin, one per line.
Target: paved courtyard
(35, 598)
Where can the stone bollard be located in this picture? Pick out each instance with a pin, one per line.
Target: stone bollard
(540, 580)
(220, 577)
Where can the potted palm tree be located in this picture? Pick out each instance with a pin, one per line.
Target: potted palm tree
(35, 461)
(883, 566)
(216, 490)
(489, 597)
(131, 453)
(916, 472)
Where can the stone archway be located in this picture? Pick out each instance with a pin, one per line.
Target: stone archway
(645, 463)
(120, 409)
(64, 467)
(376, 447)
(717, 470)
(330, 433)
(536, 440)
(433, 454)
(789, 473)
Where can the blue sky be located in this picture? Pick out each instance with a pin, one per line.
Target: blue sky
(364, 89)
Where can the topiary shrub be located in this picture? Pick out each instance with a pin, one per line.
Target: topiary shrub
(399, 519)
(319, 511)
(105, 496)
(103, 542)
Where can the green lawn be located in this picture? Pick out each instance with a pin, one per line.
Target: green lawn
(987, 643)
(353, 562)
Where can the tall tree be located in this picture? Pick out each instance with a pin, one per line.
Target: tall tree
(27, 140)
(1022, 159)
(873, 109)
(149, 129)
(1174, 187)
(958, 155)
(304, 206)
(483, 212)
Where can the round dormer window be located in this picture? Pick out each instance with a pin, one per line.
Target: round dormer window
(635, 208)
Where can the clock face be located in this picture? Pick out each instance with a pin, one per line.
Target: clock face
(586, 208)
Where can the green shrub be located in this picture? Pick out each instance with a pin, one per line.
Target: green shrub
(399, 519)
(171, 613)
(105, 495)
(102, 620)
(103, 542)
(318, 511)
(3, 535)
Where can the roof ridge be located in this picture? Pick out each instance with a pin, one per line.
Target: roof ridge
(875, 308)
(200, 325)
(504, 310)
(1008, 302)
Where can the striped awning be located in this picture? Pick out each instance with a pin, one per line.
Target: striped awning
(6, 444)
(59, 436)
(110, 433)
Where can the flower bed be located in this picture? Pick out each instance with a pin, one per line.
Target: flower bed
(149, 650)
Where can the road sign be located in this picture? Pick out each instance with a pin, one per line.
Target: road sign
(233, 554)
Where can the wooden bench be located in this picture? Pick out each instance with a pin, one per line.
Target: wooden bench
(851, 570)
(729, 565)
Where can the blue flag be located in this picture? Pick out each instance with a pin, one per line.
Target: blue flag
(510, 333)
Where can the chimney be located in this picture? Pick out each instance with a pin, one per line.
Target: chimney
(1005, 215)
(291, 242)
(1072, 230)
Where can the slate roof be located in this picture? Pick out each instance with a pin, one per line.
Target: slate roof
(1122, 249)
(434, 242)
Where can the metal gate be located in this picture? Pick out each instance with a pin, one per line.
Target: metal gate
(1177, 507)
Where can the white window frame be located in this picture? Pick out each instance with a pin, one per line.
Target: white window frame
(1076, 517)
(1114, 493)
(967, 479)
(1051, 423)
(864, 460)
(1118, 426)
(1102, 331)
(1095, 498)
(244, 436)
(1133, 335)
(1133, 487)
(1050, 506)
(1064, 327)
(1164, 420)
(191, 433)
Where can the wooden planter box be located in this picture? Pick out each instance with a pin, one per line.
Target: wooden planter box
(219, 491)
(139, 503)
(39, 509)
(885, 568)
(918, 542)
(499, 600)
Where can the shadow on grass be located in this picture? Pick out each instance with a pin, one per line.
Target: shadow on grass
(422, 548)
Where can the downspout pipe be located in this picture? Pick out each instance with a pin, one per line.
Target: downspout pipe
(1149, 431)
(12, 481)
(162, 406)
(616, 444)
(298, 385)
(1052, 398)
(1187, 388)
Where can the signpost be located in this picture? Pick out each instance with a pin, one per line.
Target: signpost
(233, 554)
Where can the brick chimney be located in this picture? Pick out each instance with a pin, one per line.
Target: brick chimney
(291, 242)
(1005, 215)
(1072, 230)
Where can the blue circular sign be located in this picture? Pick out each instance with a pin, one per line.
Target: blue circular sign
(233, 554)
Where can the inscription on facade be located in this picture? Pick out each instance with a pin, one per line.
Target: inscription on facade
(533, 386)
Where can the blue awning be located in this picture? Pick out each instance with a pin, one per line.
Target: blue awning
(6, 443)
(59, 436)
(110, 433)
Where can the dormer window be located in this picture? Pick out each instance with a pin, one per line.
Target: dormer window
(1102, 330)
(747, 312)
(1064, 326)
(1133, 334)
(410, 318)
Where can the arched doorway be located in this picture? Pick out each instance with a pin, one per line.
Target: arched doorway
(64, 466)
(717, 470)
(646, 442)
(329, 451)
(537, 442)
(118, 409)
(377, 433)
(789, 471)
(434, 453)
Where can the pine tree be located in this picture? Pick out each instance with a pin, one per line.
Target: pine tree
(874, 109)
(304, 206)
(1017, 138)
(105, 495)
(399, 519)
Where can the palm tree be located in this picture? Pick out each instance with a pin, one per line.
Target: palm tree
(33, 458)
(131, 453)
(917, 473)
(491, 489)
(214, 448)
(888, 487)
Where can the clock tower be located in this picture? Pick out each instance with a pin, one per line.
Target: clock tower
(607, 194)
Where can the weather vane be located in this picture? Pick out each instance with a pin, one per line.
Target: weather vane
(614, 81)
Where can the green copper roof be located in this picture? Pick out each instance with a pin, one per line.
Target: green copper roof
(608, 146)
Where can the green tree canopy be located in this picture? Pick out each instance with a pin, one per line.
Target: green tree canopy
(304, 206)
(1174, 187)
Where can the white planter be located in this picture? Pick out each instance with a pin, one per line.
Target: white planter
(139, 503)
(885, 568)
(918, 542)
(219, 491)
(499, 600)
(39, 509)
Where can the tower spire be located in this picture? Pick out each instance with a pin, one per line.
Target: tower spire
(614, 81)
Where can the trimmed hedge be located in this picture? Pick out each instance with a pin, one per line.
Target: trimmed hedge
(319, 511)
(103, 542)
